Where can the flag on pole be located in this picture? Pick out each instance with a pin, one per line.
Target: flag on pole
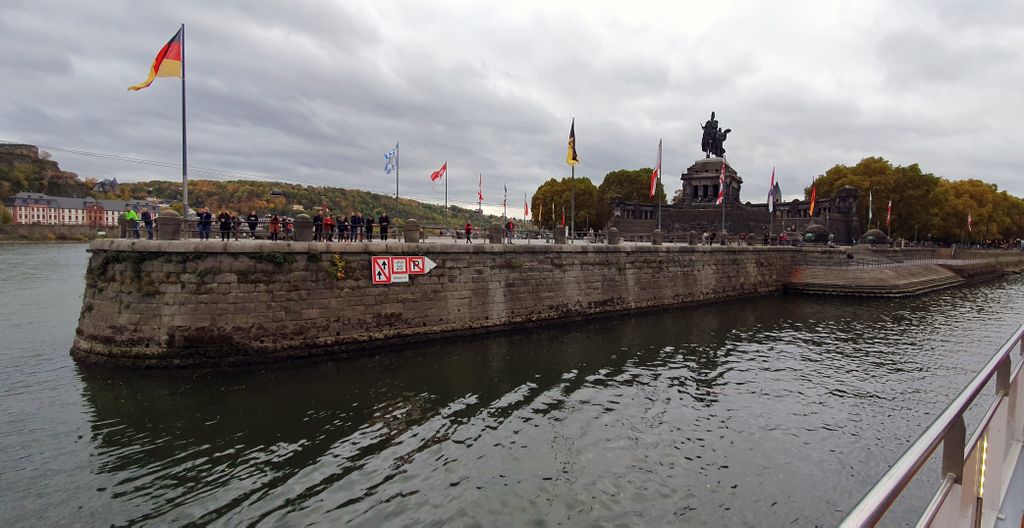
(570, 157)
(526, 208)
(970, 222)
(439, 173)
(563, 216)
(814, 198)
(870, 207)
(166, 64)
(480, 190)
(540, 214)
(504, 201)
(888, 214)
(391, 160)
(657, 172)
(771, 193)
(721, 185)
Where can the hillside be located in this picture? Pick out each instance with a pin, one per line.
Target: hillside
(24, 168)
(291, 199)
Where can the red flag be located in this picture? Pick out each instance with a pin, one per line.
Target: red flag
(970, 222)
(480, 190)
(814, 196)
(888, 214)
(526, 208)
(657, 172)
(439, 173)
(721, 185)
(563, 216)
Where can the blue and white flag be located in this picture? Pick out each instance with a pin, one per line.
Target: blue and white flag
(391, 160)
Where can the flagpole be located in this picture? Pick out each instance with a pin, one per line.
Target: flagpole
(446, 195)
(656, 197)
(572, 203)
(184, 137)
(397, 159)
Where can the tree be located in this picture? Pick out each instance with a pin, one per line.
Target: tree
(5, 215)
(555, 195)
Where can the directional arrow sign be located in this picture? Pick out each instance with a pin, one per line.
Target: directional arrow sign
(420, 265)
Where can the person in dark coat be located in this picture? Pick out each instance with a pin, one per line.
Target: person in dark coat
(318, 227)
(385, 223)
(254, 221)
(236, 225)
(369, 228)
(342, 226)
(147, 220)
(225, 225)
(205, 222)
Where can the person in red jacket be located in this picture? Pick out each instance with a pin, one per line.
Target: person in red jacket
(469, 233)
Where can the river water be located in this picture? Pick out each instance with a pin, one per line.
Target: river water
(774, 411)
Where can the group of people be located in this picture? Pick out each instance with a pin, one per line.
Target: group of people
(231, 225)
(130, 220)
(353, 228)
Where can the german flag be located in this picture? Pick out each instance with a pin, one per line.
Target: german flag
(570, 157)
(166, 64)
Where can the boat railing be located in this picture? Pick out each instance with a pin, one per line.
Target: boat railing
(976, 471)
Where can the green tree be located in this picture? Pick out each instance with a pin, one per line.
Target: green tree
(5, 215)
(555, 195)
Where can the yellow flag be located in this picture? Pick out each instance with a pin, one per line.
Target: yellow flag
(570, 157)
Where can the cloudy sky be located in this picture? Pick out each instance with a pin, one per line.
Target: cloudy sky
(315, 92)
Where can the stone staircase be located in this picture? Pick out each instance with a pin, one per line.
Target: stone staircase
(872, 281)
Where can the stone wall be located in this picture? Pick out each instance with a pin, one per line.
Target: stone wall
(160, 303)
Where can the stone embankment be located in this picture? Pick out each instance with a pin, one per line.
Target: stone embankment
(902, 278)
(179, 303)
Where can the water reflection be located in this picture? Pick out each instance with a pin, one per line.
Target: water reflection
(759, 411)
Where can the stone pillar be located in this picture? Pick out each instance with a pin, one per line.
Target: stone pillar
(613, 236)
(692, 238)
(495, 234)
(723, 238)
(303, 228)
(657, 237)
(411, 230)
(559, 234)
(168, 225)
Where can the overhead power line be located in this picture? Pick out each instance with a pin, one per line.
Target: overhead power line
(224, 172)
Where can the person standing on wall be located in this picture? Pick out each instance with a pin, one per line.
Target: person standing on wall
(329, 227)
(132, 219)
(254, 221)
(318, 226)
(510, 229)
(236, 225)
(357, 227)
(147, 220)
(225, 225)
(342, 225)
(469, 233)
(369, 227)
(205, 222)
(385, 223)
(275, 227)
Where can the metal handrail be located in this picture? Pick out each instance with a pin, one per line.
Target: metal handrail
(877, 501)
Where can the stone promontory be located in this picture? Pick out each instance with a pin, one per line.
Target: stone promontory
(181, 303)
(169, 303)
